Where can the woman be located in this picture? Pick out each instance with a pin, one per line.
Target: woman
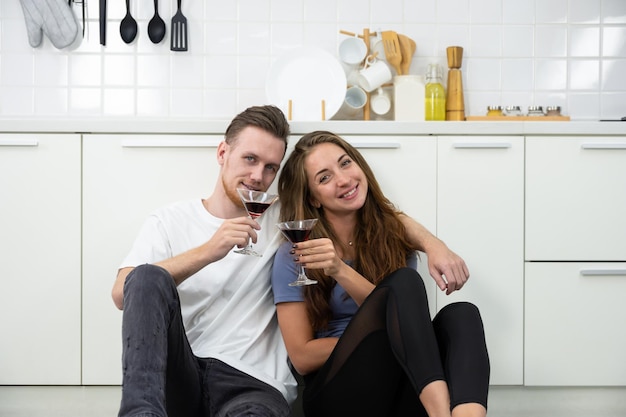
(362, 337)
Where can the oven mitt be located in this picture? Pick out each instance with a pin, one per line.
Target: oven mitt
(54, 18)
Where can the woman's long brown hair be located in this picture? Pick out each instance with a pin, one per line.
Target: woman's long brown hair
(379, 239)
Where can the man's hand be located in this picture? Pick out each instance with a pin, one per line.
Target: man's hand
(233, 232)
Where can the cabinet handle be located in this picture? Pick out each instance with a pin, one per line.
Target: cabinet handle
(19, 142)
(599, 272)
(376, 145)
(481, 145)
(171, 143)
(603, 146)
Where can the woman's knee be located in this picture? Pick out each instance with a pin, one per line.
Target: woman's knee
(405, 279)
(461, 315)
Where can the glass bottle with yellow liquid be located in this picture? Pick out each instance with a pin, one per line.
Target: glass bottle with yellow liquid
(435, 100)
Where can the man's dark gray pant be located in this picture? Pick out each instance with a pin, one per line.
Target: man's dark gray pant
(161, 375)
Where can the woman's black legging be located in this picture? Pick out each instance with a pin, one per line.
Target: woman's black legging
(391, 350)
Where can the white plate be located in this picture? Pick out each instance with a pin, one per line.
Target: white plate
(307, 76)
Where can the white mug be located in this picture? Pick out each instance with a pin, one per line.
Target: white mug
(352, 51)
(380, 102)
(353, 103)
(375, 74)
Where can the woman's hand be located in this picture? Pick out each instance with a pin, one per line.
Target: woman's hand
(447, 268)
(318, 254)
(321, 254)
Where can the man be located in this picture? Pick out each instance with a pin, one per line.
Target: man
(199, 331)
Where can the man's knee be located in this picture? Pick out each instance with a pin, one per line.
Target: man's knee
(148, 279)
(256, 406)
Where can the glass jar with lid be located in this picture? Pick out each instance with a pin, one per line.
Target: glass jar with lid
(494, 110)
(513, 111)
(553, 111)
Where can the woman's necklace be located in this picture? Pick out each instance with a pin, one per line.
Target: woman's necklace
(349, 243)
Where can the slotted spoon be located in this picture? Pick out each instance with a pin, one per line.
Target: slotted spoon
(179, 31)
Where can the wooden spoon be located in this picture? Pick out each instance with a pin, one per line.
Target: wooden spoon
(407, 48)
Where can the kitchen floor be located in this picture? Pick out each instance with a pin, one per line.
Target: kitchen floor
(503, 402)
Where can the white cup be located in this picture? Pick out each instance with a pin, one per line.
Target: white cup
(380, 102)
(353, 103)
(375, 74)
(352, 51)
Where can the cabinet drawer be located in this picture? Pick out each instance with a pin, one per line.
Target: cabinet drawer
(575, 199)
(575, 317)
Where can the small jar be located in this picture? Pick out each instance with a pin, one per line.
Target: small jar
(535, 111)
(494, 111)
(553, 111)
(513, 111)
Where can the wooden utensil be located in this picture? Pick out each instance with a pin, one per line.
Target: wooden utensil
(407, 49)
(391, 45)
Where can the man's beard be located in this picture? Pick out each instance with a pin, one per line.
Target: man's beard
(232, 195)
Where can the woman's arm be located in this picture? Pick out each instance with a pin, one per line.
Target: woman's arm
(446, 267)
(306, 353)
(321, 254)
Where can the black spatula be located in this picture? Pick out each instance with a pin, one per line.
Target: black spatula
(179, 31)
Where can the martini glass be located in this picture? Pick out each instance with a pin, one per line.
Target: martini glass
(256, 202)
(298, 231)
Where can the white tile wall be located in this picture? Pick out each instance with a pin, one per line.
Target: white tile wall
(570, 53)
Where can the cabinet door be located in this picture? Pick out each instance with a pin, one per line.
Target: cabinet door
(406, 171)
(575, 317)
(480, 217)
(575, 199)
(40, 267)
(125, 178)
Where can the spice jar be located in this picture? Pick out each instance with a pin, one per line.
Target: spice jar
(553, 111)
(513, 111)
(494, 111)
(535, 111)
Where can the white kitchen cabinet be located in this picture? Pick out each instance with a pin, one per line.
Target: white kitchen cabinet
(40, 268)
(480, 201)
(575, 198)
(575, 317)
(575, 253)
(125, 177)
(406, 169)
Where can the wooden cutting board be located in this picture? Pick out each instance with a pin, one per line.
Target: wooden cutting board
(519, 118)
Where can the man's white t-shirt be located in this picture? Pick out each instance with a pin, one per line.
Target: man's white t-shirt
(227, 307)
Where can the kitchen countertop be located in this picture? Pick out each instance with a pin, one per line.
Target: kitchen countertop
(345, 127)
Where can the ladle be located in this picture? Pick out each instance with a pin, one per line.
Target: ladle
(128, 26)
(156, 26)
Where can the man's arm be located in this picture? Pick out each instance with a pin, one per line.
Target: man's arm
(233, 232)
(446, 267)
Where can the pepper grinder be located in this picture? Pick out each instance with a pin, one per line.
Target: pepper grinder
(455, 104)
